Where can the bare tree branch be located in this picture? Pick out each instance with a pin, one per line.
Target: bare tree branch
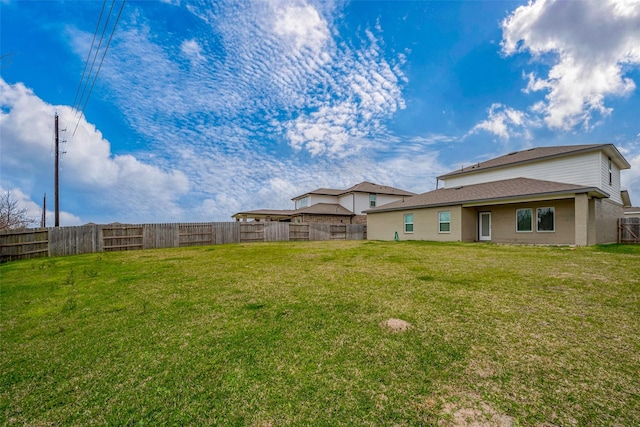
(11, 216)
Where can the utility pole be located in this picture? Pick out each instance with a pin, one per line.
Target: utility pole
(57, 175)
(43, 220)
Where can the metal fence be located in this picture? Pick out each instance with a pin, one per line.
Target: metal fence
(92, 238)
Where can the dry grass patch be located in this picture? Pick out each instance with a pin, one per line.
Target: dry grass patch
(396, 325)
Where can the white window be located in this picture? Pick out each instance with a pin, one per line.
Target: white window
(303, 203)
(372, 200)
(546, 219)
(524, 220)
(408, 223)
(444, 222)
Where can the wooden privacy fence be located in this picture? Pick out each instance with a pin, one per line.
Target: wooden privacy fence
(629, 230)
(84, 239)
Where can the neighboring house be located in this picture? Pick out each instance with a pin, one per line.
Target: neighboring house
(548, 195)
(632, 212)
(629, 211)
(331, 206)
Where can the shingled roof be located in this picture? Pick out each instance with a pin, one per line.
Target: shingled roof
(539, 153)
(317, 209)
(363, 187)
(490, 191)
(324, 209)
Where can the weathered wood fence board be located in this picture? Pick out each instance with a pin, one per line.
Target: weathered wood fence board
(75, 240)
(629, 230)
(299, 232)
(196, 234)
(319, 232)
(227, 232)
(251, 232)
(92, 238)
(356, 232)
(276, 231)
(122, 238)
(24, 244)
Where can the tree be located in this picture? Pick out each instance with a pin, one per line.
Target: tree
(11, 216)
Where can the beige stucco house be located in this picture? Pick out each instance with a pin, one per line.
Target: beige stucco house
(565, 195)
(331, 206)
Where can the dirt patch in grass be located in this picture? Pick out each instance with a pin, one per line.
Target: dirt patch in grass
(396, 325)
(469, 410)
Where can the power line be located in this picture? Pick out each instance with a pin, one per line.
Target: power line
(86, 62)
(95, 56)
(104, 54)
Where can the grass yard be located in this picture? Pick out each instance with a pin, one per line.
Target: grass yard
(294, 334)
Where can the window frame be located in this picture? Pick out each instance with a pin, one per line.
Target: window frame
(406, 223)
(610, 172)
(372, 200)
(538, 220)
(530, 220)
(441, 222)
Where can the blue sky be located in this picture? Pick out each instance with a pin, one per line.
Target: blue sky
(202, 109)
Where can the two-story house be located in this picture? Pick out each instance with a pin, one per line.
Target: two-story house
(546, 195)
(331, 206)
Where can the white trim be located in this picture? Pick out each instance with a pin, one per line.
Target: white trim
(480, 236)
(524, 231)
(440, 222)
(405, 223)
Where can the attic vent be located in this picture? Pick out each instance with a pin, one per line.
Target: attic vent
(511, 154)
(531, 149)
(458, 188)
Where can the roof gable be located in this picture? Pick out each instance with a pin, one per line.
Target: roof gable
(363, 187)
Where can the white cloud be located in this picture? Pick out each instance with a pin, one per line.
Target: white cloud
(192, 50)
(590, 45)
(366, 91)
(34, 210)
(120, 185)
(505, 122)
(273, 82)
(302, 26)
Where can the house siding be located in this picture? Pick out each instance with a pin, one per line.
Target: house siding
(362, 202)
(359, 202)
(581, 169)
(384, 225)
(464, 224)
(614, 188)
(319, 198)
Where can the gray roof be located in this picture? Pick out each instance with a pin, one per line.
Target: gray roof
(317, 209)
(539, 153)
(504, 190)
(324, 209)
(370, 187)
(265, 212)
(363, 187)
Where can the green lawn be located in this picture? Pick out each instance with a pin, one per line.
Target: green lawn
(293, 334)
